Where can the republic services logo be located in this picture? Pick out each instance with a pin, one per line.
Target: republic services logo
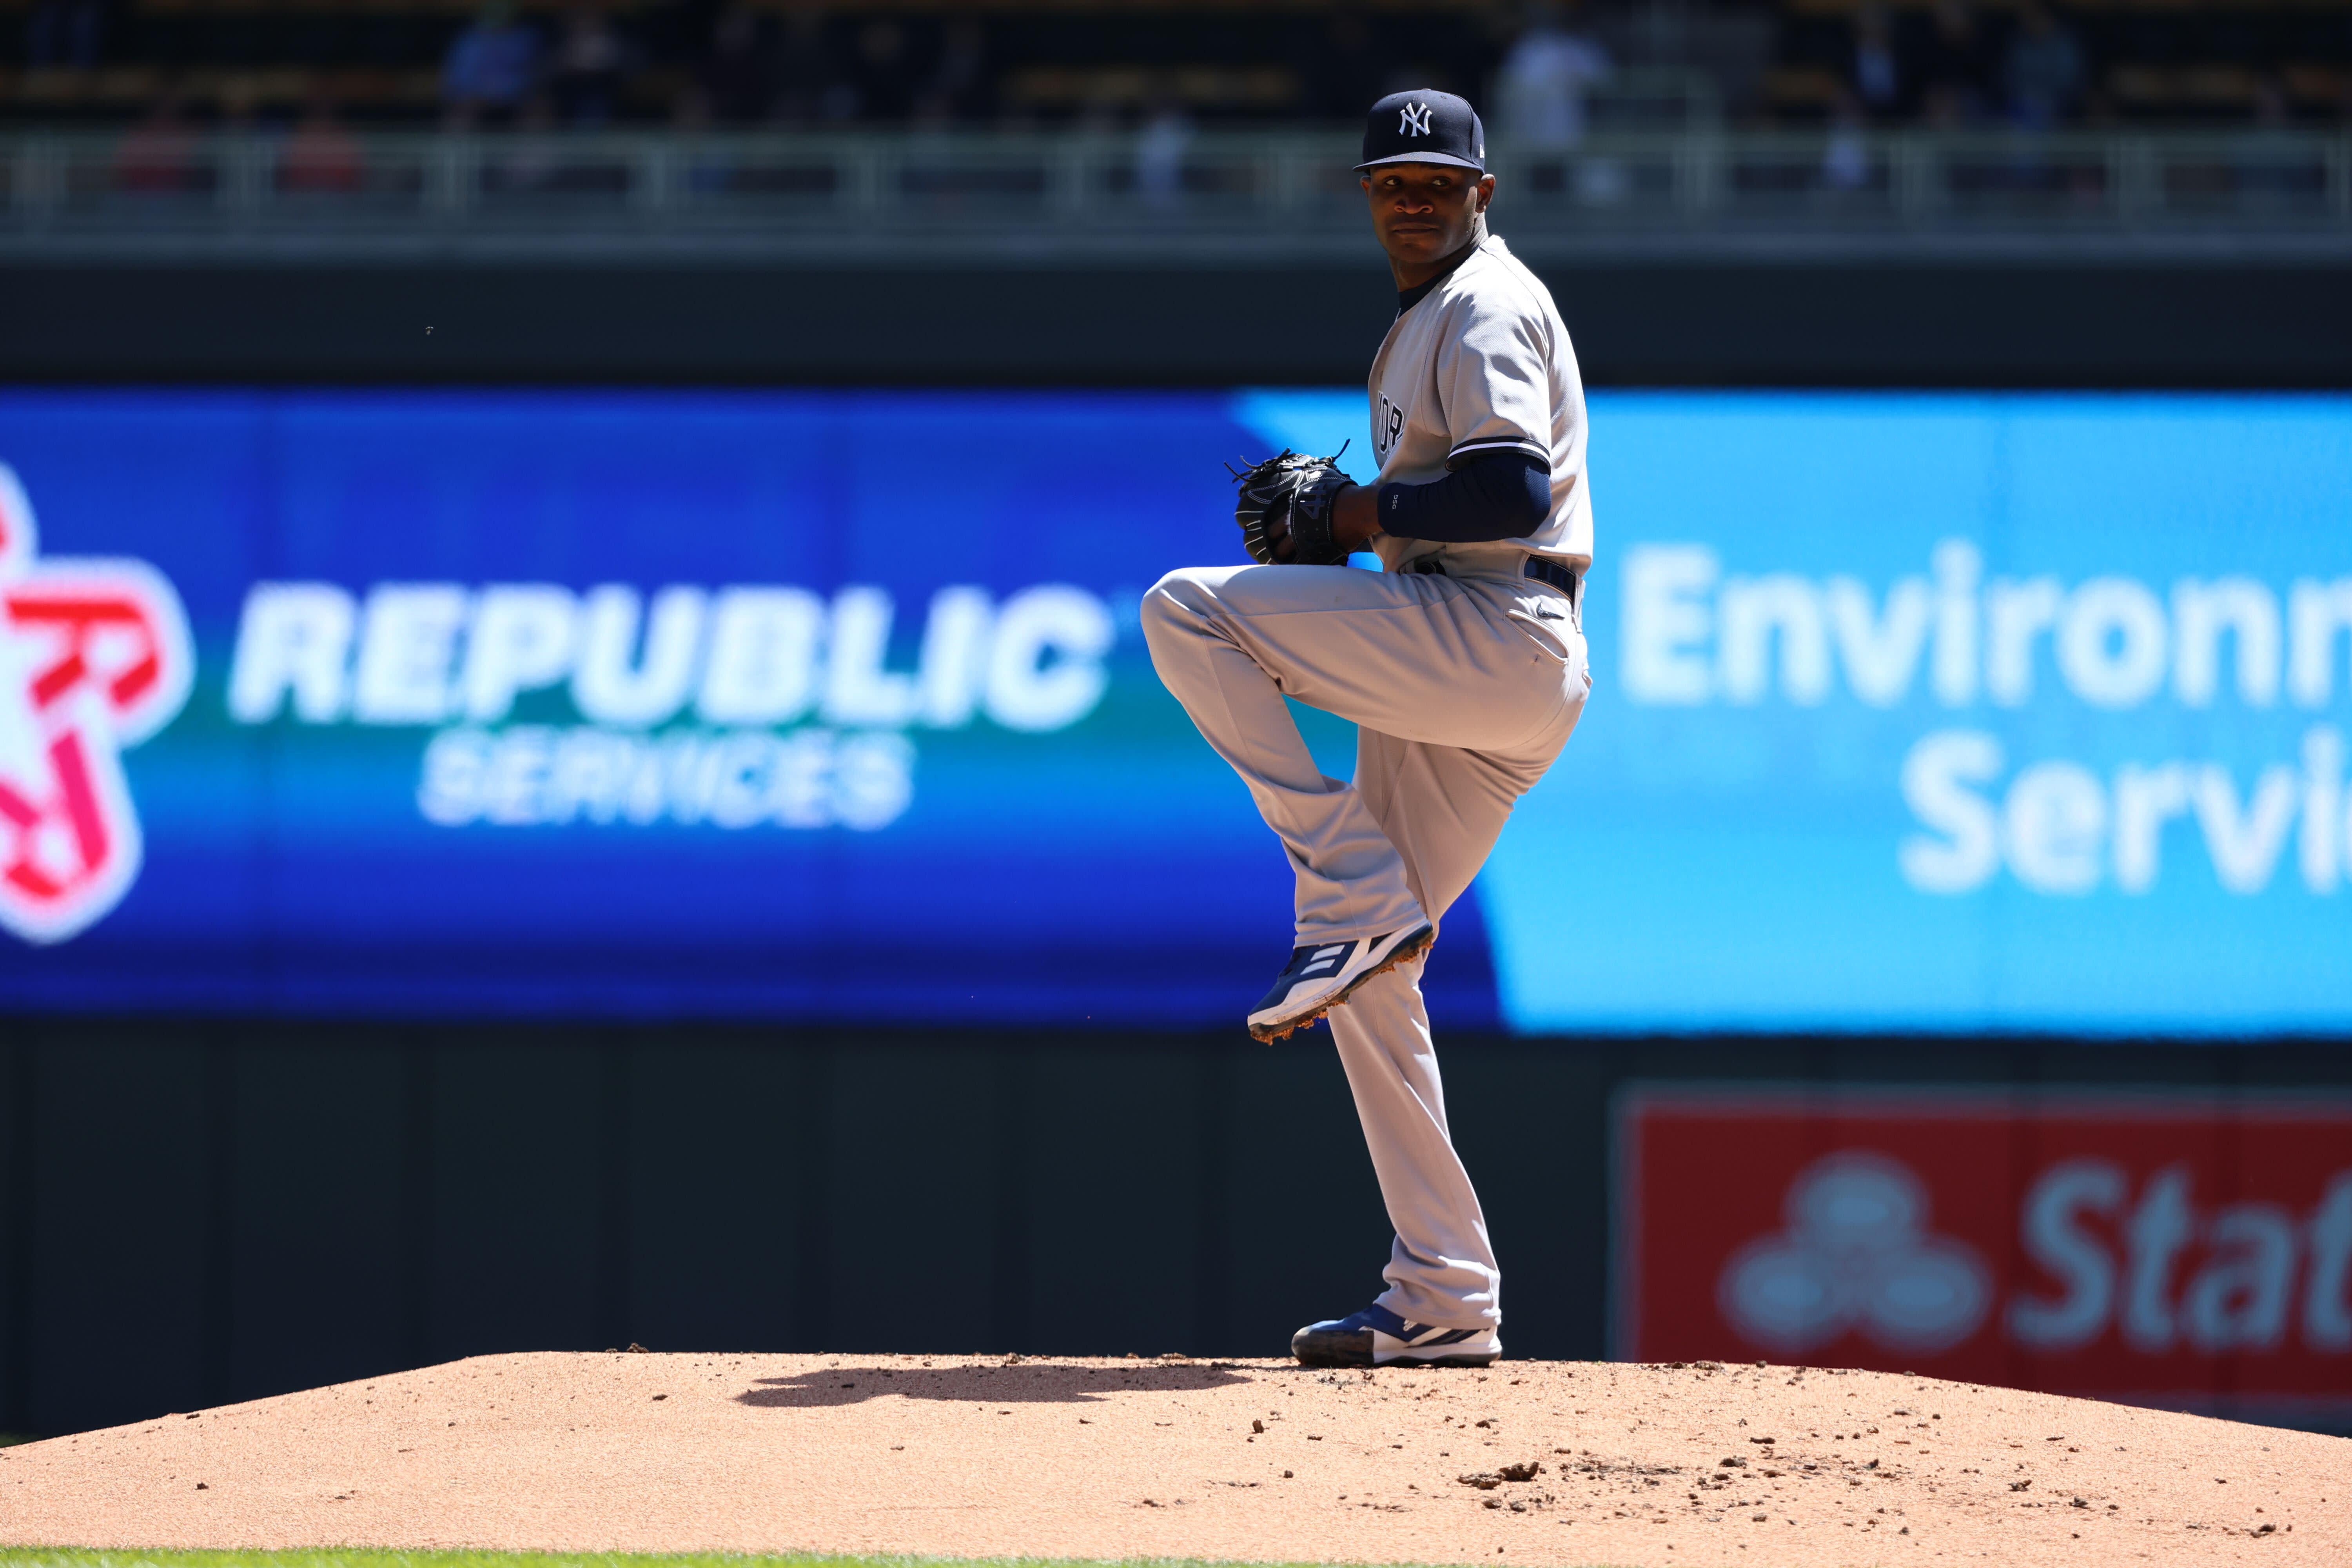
(94, 657)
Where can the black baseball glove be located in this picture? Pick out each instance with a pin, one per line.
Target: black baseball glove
(1291, 495)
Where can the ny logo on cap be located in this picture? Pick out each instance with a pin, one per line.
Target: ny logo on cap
(1414, 120)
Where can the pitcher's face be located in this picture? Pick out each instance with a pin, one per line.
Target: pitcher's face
(1424, 212)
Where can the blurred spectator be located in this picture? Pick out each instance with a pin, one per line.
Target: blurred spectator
(321, 156)
(1343, 77)
(957, 88)
(1160, 151)
(1846, 157)
(588, 65)
(158, 155)
(1542, 86)
(810, 84)
(1952, 67)
(1877, 83)
(2043, 75)
(884, 73)
(65, 33)
(492, 65)
(735, 83)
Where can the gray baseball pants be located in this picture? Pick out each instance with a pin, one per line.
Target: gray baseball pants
(1462, 686)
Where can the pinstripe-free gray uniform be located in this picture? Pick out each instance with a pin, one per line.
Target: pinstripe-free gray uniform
(1464, 679)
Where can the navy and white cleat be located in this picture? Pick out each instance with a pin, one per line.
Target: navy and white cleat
(1317, 979)
(1378, 1337)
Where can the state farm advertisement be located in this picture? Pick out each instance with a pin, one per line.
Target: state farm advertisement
(2186, 1250)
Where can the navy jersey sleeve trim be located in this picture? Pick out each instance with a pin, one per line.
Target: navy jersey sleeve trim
(1468, 450)
(1500, 494)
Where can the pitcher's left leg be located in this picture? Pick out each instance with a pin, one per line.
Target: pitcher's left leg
(1442, 807)
(1442, 1271)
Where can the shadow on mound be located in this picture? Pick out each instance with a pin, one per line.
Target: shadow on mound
(1012, 1384)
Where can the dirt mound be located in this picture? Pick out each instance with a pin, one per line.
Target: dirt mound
(1531, 1462)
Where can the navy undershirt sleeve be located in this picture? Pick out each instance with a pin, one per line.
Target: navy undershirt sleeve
(1496, 495)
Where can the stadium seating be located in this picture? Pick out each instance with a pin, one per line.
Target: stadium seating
(1216, 62)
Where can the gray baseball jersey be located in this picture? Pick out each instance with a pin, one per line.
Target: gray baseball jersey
(1482, 363)
(1464, 685)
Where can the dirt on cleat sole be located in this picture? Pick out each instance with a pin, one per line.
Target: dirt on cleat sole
(1412, 946)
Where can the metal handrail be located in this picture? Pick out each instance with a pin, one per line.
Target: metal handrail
(1082, 188)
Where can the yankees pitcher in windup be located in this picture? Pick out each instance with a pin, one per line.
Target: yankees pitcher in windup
(1462, 664)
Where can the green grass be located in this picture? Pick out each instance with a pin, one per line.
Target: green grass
(375, 1557)
(382, 1557)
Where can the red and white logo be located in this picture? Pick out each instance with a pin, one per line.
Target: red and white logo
(94, 657)
(2177, 1248)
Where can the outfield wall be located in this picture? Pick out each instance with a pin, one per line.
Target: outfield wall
(2053, 322)
(194, 1213)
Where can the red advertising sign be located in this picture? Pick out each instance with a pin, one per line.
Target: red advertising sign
(2192, 1250)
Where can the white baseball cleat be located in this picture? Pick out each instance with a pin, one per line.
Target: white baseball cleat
(1318, 978)
(1378, 1337)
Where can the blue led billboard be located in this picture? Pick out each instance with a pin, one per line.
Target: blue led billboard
(1954, 712)
(1911, 712)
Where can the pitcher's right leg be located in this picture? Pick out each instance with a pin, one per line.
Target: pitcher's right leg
(1350, 884)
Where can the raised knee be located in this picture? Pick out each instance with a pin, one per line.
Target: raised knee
(1176, 598)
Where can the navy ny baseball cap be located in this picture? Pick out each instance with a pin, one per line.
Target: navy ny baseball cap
(1424, 127)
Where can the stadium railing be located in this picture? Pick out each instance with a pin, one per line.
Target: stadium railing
(1101, 195)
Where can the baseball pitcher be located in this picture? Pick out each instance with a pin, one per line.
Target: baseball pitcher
(1462, 664)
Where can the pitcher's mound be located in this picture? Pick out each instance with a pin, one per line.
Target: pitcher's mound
(1532, 1462)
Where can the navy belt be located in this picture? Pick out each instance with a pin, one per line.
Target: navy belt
(1535, 566)
(1550, 572)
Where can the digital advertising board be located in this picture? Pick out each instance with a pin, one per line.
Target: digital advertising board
(1913, 713)
(2193, 1250)
(778, 706)
(1952, 713)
